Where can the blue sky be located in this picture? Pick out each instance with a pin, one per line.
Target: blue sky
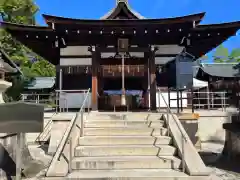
(217, 11)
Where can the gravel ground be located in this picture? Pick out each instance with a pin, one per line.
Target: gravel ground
(219, 174)
(221, 169)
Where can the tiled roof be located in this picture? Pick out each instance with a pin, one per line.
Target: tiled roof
(221, 69)
(41, 83)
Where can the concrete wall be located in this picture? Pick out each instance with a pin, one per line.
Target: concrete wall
(210, 125)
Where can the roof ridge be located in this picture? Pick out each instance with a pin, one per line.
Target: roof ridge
(123, 2)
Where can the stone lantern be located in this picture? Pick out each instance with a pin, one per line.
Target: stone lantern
(4, 69)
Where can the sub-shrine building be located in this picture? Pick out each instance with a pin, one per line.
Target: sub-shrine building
(120, 51)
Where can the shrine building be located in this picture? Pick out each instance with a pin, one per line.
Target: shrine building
(121, 50)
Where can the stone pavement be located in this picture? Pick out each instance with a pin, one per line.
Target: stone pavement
(219, 174)
(215, 149)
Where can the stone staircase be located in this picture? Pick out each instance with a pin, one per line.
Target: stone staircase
(129, 147)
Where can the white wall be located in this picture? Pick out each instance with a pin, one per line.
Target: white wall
(75, 100)
(74, 50)
(169, 49)
(173, 103)
(75, 61)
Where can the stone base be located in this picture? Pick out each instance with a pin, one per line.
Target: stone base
(191, 127)
(231, 149)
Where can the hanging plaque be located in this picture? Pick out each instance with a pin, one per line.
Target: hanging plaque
(123, 45)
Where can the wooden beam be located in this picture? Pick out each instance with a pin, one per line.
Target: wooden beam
(75, 56)
(146, 64)
(131, 49)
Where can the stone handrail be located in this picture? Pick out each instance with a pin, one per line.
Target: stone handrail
(194, 164)
(190, 157)
(71, 132)
(182, 135)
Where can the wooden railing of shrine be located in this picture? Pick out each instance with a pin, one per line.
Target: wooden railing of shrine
(108, 70)
(116, 70)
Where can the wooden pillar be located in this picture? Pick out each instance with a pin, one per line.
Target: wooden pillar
(95, 59)
(146, 81)
(153, 84)
(58, 67)
(100, 91)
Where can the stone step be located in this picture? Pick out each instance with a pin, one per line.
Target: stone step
(127, 115)
(104, 116)
(126, 150)
(132, 174)
(126, 162)
(124, 140)
(123, 123)
(153, 117)
(127, 131)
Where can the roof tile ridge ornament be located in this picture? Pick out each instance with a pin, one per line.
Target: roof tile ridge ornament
(126, 3)
(123, 1)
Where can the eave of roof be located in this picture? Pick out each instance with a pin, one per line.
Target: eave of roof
(208, 37)
(12, 67)
(183, 19)
(5, 67)
(14, 26)
(34, 37)
(235, 24)
(220, 70)
(211, 35)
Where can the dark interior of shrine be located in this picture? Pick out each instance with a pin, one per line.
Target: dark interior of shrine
(84, 81)
(131, 83)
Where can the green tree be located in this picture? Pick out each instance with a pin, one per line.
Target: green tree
(222, 55)
(37, 68)
(21, 12)
(235, 55)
